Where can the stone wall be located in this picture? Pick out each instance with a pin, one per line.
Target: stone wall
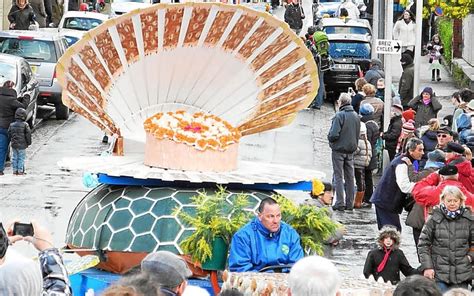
(468, 39)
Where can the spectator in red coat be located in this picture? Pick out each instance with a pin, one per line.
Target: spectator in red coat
(455, 156)
(428, 190)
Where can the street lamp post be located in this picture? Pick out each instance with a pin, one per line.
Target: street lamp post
(417, 60)
(388, 73)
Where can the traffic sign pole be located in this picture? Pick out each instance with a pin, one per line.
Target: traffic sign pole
(388, 75)
(417, 59)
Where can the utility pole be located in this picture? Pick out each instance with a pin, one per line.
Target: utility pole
(375, 26)
(417, 60)
(388, 73)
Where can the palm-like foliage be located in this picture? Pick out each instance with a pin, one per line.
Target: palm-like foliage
(314, 225)
(215, 218)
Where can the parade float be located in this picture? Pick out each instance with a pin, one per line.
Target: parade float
(176, 86)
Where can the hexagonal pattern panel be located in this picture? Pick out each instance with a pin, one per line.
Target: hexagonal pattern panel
(138, 218)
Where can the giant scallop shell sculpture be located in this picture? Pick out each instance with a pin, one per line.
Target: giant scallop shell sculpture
(239, 64)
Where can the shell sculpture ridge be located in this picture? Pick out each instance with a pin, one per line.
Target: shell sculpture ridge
(236, 63)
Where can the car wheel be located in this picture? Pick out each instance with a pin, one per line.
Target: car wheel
(62, 112)
(32, 120)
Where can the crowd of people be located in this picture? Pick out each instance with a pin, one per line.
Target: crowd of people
(430, 176)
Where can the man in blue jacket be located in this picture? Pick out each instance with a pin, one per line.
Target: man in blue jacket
(264, 241)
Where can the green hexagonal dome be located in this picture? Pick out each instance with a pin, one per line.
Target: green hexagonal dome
(138, 218)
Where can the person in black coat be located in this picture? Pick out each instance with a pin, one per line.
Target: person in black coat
(20, 137)
(8, 105)
(21, 15)
(294, 16)
(387, 260)
(393, 132)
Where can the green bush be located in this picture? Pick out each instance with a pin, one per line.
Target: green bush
(462, 80)
(445, 31)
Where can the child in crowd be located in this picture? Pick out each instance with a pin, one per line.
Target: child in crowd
(20, 137)
(445, 246)
(436, 50)
(387, 260)
(362, 157)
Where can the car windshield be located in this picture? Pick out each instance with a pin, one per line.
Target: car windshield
(30, 49)
(125, 1)
(346, 30)
(349, 49)
(81, 23)
(7, 72)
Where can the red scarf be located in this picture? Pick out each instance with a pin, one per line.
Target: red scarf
(385, 259)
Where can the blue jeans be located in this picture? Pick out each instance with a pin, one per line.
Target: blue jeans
(319, 100)
(444, 287)
(4, 142)
(343, 178)
(18, 160)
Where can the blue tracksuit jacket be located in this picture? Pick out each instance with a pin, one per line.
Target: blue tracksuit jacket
(254, 247)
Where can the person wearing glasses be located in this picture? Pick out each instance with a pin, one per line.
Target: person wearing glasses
(444, 136)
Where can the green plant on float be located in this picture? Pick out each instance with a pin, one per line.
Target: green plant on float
(313, 224)
(214, 218)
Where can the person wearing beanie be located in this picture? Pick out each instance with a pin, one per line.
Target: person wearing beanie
(405, 87)
(375, 72)
(362, 157)
(409, 115)
(387, 260)
(393, 131)
(408, 132)
(373, 136)
(455, 156)
(426, 106)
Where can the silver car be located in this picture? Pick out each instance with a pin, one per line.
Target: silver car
(42, 50)
(18, 70)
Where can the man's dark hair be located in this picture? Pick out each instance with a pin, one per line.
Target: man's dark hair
(413, 143)
(417, 285)
(231, 292)
(467, 95)
(327, 186)
(266, 201)
(344, 12)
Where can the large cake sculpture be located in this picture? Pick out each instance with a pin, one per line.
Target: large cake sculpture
(229, 63)
(179, 140)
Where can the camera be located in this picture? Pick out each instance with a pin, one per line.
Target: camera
(23, 229)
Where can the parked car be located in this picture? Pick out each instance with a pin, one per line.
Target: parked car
(119, 7)
(329, 8)
(42, 50)
(18, 70)
(74, 24)
(351, 55)
(347, 26)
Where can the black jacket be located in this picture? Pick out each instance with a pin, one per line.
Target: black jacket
(343, 135)
(294, 16)
(8, 105)
(444, 245)
(373, 134)
(22, 18)
(396, 262)
(19, 131)
(405, 87)
(393, 132)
